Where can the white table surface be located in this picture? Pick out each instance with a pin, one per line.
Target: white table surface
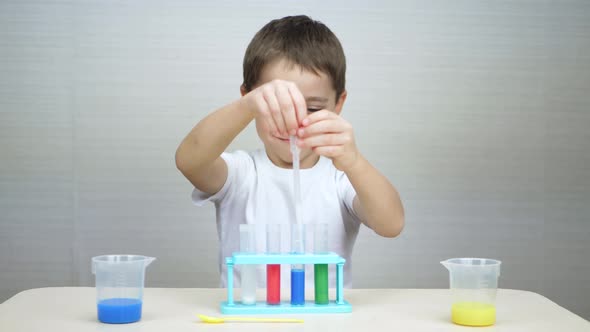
(72, 309)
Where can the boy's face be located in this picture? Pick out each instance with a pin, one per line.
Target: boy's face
(318, 93)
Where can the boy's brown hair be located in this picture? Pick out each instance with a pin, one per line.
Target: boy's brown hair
(301, 41)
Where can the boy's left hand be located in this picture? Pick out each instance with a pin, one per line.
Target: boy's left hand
(329, 135)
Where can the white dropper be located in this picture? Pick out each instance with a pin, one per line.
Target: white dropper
(296, 188)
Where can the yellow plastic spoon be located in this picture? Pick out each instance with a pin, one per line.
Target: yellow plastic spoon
(218, 320)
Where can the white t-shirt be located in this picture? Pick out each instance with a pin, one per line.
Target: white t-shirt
(258, 192)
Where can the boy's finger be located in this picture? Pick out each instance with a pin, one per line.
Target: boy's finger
(317, 116)
(287, 109)
(265, 114)
(299, 101)
(275, 112)
(325, 140)
(328, 151)
(321, 127)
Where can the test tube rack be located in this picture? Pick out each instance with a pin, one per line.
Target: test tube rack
(339, 305)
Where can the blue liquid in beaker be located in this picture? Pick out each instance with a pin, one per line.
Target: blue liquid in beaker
(119, 310)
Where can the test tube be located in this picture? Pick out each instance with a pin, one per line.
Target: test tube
(248, 280)
(273, 271)
(320, 271)
(298, 270)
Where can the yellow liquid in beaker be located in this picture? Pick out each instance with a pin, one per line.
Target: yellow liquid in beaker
(473, 314)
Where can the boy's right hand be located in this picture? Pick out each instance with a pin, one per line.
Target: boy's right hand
(280, 104)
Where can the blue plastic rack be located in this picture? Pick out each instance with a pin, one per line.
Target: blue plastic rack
(339, 305)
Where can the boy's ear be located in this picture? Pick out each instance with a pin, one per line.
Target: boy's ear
(340, 102)
(243, 91)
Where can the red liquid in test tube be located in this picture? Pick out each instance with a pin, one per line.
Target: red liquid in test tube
(273, 283)
(273, 271)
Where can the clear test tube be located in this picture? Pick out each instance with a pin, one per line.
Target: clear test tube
(320, 271)
(248, 271)
(273, 271)
(298, 270)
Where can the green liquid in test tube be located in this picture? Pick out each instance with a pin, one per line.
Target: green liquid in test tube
(320, 271)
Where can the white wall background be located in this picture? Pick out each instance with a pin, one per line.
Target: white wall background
(478, 111)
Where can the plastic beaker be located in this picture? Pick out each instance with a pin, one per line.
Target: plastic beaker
(474, 283)
(119, 287)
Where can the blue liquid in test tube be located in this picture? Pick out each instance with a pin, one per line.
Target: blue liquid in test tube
(297, 285)
(298, 270)
(297, 232)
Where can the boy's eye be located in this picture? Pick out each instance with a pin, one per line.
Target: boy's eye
(311, 110)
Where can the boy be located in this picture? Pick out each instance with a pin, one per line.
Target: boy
(294, 84)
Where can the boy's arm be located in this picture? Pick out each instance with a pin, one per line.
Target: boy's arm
(278, 103)
(377, 203)
(199, 155)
